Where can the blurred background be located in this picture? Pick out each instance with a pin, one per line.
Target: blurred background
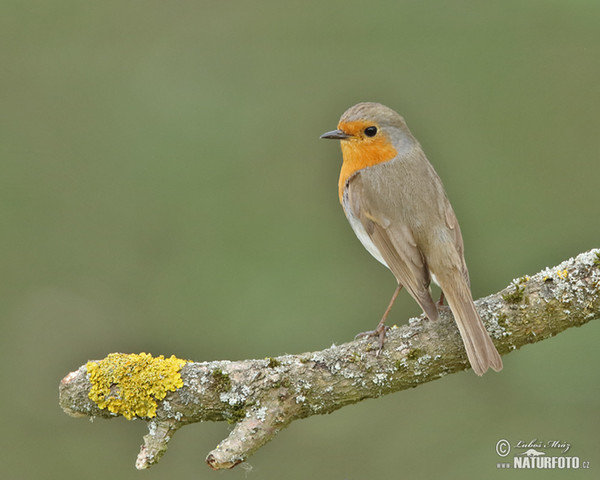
(163, 189)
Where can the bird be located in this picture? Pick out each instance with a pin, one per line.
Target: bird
(397, 206)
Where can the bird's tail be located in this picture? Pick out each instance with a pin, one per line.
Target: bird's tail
(481, 351)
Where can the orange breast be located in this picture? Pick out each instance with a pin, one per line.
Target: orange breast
(360, 152)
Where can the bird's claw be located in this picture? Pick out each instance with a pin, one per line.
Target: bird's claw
(379, 332)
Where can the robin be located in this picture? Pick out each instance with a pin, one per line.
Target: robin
(396, 205)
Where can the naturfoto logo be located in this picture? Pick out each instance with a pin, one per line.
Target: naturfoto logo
(538, 454)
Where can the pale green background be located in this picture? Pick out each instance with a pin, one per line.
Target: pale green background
(163, 189)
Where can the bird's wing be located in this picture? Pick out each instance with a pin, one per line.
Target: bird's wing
(452, 223)
(397, 246)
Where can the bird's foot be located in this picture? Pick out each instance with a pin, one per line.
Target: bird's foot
(379, 332)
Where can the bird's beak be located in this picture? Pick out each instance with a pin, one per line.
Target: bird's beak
(336, 135)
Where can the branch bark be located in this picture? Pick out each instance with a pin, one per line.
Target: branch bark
(261, 397)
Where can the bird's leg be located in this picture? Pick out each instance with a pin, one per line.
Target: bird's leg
(441, 300)
(381, 327)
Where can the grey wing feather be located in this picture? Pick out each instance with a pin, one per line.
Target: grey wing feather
(400, 252)
(452, 223)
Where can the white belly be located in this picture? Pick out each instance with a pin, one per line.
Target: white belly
(361, 233)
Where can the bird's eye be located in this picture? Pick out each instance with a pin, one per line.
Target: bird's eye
(371, 131)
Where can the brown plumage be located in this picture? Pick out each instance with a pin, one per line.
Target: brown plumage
(397, 206)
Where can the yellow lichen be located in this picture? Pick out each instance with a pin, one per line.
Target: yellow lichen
(562, 273)
(131, 384)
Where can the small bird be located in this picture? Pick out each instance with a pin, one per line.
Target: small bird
(396, 205)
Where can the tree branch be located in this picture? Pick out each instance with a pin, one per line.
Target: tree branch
(261, 397)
